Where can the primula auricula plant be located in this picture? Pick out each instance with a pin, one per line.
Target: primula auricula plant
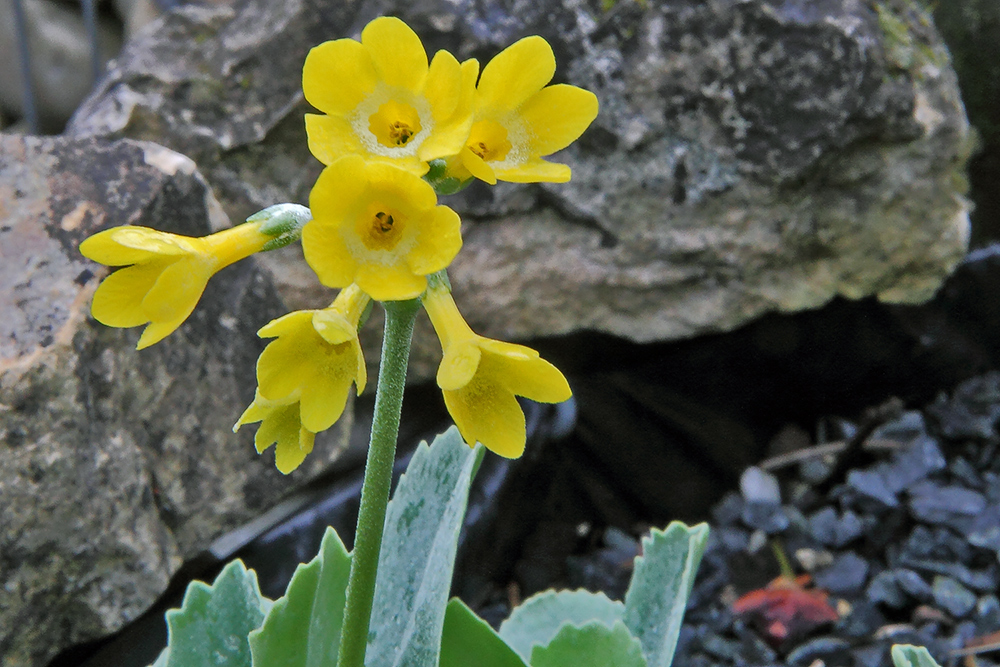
(395, 132)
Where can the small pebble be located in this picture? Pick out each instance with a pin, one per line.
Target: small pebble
(813, 559)
(953, 597)
(872, 655)
(845, 577)
(985, 529)
(988, 614)
(964, 472)
(862, 621)
(768, 517)
(913, 584)
(754, 650)
(906, 428)
(871, 484)
(885, 589)
(816, 470)
(758, 486)
(913, 464)
(933, 503)
(728, 510)
(726, 649)
(833, 651)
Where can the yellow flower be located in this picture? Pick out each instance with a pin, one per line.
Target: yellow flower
(305, 374)
(383, 102)
(518, 120)
(279, 423)
(165, 274)
(379, 227)
(480, 378)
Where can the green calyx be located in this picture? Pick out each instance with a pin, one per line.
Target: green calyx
(283, 222)
(441, 181)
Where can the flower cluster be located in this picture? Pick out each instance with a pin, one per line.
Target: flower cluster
(396, 130)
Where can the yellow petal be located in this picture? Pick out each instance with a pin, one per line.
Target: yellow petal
(255, 412)
(399, 188)
(361, 373)
(277, 422)
(398, 54)
(458, 365)
(486, 412)
(557, 116)
(176, 292)
(515, 74)
(285, 324)
(324, 399)
(439, 241)
(334, 195)
(535, 171)
(337, 75)
(288, 362)
(536, 379)
(125, 245)
(443, 86)
(447, 139)
(390, 283)
(118, 300)
(291, 452)
(409, 163)
(333, 327)
(157, 331)
(327, 254)
(477, 166)
(330, 138)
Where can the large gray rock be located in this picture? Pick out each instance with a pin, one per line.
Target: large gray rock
(749, 156)
(117, 464)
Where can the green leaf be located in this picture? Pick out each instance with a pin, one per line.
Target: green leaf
(212, 624)
(418, 553)
(541, 617)
(303, 627)
(594, 644)
(465, 635)
(907, 655)
(660, 587)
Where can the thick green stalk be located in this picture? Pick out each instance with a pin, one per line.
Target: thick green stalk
(399, 316)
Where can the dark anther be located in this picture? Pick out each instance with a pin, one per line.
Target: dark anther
(385, 221)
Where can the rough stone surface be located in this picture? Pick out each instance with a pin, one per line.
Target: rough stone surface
(117, 464)
(749, 156)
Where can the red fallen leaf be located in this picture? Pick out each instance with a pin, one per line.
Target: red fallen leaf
(786, 608)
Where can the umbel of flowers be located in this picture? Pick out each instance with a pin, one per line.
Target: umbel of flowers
(395, 132)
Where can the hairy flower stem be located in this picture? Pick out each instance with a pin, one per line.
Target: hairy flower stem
(399, 317)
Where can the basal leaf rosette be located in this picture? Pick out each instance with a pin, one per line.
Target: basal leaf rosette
(305, 374)
(164, 276)
(518, 120)
(480, 378)
(383, 101)
(380, 227)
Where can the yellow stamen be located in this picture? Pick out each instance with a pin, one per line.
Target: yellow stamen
(394, 124)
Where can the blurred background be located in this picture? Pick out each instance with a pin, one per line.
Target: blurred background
(660, 428)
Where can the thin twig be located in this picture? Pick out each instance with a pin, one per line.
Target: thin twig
(852, 457)
(818, 451)
(974, 650)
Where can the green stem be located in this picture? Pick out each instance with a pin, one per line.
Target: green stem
(399, 317)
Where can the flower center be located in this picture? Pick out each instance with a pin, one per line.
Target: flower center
(380, 228)
(394, 124)
(488, 140)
